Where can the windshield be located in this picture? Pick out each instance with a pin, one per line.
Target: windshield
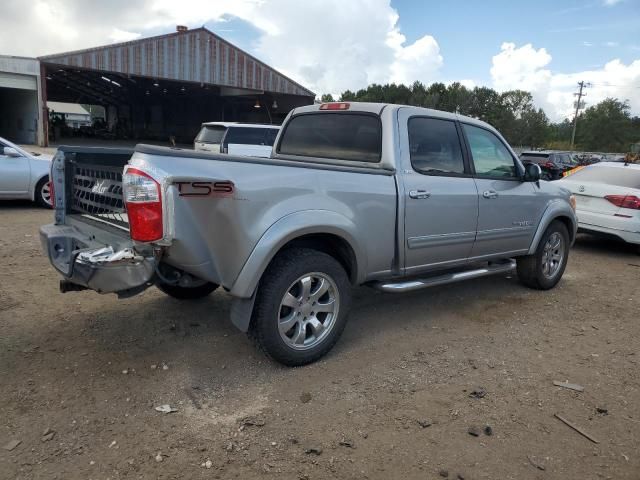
(211, 134)
(620, 176)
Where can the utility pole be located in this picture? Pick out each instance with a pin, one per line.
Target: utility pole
(582, 85)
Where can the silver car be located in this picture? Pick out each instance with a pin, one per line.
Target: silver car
(24, 175)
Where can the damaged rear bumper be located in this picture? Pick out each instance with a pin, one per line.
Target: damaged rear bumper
(113, 265)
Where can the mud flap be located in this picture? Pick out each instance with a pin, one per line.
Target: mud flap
(241, 310)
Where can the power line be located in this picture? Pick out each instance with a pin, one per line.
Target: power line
(612, 85)
(579, 94)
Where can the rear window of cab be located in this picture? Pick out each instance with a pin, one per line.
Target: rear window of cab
(342, 136)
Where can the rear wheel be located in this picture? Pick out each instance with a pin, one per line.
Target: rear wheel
(301, 306)
(543, 270)
(43, 193)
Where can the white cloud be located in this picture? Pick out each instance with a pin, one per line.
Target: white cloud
(118, 35)
(528, 69)
(467, 82)
(333, 52)
(611, 3)
(324, 50)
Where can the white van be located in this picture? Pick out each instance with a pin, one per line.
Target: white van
(255, 140)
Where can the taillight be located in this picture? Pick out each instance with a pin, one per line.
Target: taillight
(144, 205)
(624, 201)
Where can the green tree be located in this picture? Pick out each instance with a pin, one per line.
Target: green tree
(606, 126)
(532, 128)
(326, 98)
(436, 96)
(348, 96)
(458, 98)
(486, 104)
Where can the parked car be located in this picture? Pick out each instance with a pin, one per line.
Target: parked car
(587, 158)
(553, 164)
(24, 175)
(615, 158)
(250, 139)
(608, 199)
(395, 197)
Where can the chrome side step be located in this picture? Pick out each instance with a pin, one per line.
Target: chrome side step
(493, 268)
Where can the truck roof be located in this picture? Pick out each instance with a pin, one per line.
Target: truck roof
(377, 108)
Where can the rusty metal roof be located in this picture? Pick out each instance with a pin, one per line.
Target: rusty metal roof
(197, 55)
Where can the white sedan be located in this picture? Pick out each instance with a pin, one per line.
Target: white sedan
(24, 175)
(607, 199)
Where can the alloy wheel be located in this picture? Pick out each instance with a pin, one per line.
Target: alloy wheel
(308, 311)
(552, 255)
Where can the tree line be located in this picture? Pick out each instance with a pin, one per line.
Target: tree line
(605, 127)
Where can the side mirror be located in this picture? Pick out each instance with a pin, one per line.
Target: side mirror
(11, 152)
(532, 172)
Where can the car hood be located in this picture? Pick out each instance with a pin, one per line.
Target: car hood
(44, 158)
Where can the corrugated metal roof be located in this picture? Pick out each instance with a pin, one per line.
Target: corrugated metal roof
(196, 55)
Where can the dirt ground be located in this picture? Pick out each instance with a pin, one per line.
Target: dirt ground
(392, 400)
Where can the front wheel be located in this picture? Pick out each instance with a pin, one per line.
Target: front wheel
(301, 306)
(543, 270)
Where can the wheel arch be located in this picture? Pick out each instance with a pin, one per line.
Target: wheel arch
(34, 187)
(557, 210)
(570, 224)
(333, 245)
(323, 230)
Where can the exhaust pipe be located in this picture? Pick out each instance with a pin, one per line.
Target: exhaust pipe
(67, 286)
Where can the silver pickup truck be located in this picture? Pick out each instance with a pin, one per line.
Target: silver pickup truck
(398, 198)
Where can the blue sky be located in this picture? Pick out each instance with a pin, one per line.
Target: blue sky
(472, 34)
(579, 35)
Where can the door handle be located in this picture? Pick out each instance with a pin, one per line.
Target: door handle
(490, 194)
(419, 194)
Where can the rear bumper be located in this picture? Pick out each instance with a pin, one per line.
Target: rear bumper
(627, 236)
(111, 267)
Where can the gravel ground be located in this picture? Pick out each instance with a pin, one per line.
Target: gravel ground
(81, 375)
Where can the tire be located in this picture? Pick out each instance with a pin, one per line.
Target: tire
(187, 293)
(538, 270)
(293, 275)
(42, 194)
